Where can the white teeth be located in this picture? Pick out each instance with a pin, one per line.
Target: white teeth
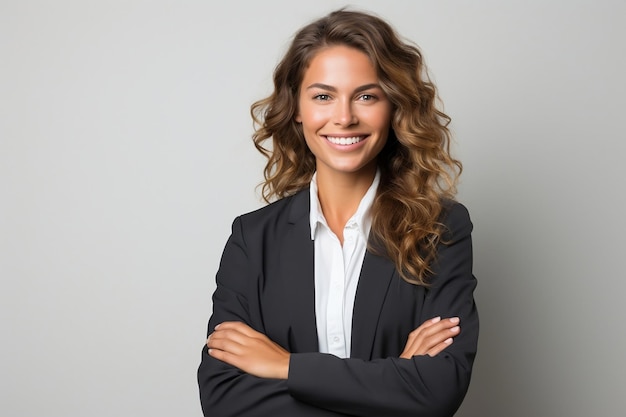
(344, 141)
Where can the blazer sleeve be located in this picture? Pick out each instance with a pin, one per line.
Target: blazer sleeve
(423, 385)
(224, 389)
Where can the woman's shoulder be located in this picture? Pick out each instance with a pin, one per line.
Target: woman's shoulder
(284, 210)
(456, 220)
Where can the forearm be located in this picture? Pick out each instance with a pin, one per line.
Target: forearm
(421, 386)
(227, 391)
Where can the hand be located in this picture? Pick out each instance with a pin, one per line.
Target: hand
(431, 337)
(239, 345)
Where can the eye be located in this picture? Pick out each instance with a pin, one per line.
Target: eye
(321, 97)
(367, 97)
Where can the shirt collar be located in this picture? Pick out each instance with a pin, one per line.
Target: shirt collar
(361, 218)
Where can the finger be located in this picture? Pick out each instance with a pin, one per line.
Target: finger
(225, 356)
(415, 333)
(433, 326)
(238, 326)
(229, 339)
(426, 324)
(441, 325)
(430, 338)
(224, 344)
(429, 328)
(440, 347)
(437, 327)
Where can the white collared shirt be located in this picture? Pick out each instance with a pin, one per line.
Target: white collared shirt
(337, 270)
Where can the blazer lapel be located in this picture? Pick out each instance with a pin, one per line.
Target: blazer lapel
(297, 271)
(372, 288)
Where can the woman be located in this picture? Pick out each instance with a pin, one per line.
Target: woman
(352, 292)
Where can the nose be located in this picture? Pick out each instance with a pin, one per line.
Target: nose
(344, 114)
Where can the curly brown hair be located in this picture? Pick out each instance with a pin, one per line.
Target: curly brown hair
(418, 173)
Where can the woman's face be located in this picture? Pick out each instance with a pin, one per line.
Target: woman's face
(344, 112)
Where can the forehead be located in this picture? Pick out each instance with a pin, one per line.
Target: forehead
(340, 64)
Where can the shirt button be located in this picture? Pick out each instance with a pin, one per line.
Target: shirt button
(336, 339)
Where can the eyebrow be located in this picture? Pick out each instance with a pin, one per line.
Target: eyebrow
(333, 89)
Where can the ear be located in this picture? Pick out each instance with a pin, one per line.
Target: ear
(298, 118)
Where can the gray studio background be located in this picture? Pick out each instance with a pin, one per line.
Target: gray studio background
(125, 154)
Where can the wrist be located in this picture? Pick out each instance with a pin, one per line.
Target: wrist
(284, 372)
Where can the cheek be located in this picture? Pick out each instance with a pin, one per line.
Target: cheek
(311, 143)
(380, 118)
(313, 116)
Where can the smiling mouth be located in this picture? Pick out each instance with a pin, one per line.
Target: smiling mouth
(345, 140)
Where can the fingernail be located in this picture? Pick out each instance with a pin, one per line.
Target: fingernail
(448, 341)
(217, 326)
(435, 320)
(455, 329)
(454, 320)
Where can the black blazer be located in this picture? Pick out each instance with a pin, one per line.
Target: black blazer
(266, 279)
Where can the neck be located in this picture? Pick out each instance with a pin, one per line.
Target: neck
(340, 195)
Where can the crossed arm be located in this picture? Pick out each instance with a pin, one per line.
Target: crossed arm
(237, 344)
